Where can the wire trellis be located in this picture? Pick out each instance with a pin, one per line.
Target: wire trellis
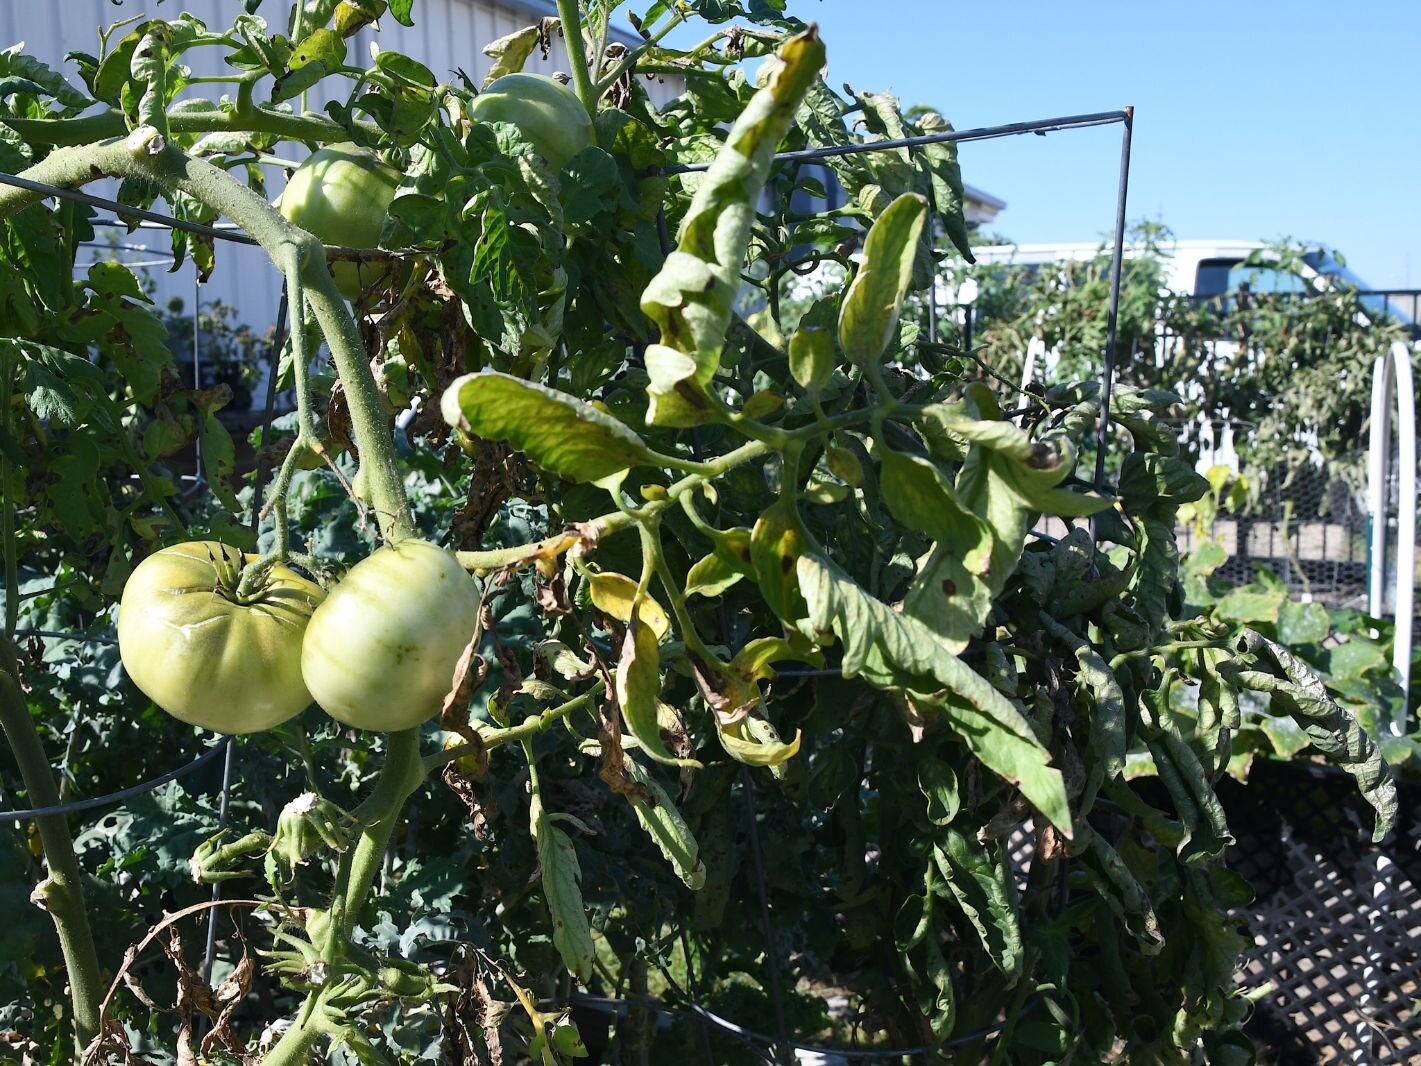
(780, 1045)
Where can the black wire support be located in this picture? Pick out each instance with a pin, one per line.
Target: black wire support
(1117, 255)
(1041, 127)
(123, 793)
(755, 1039)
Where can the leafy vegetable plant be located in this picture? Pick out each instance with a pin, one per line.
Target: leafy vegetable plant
(711, 566)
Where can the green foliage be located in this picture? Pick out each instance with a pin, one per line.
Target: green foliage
(1294, 365)
(844, 643)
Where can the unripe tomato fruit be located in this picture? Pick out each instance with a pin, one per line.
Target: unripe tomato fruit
(380, 652)
(547, 113)
(342, 195)
(207, 656)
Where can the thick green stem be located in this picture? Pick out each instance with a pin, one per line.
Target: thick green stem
(68, 132)
(170, 168)
(61, 893)
(402, 773)
(571, 20)
(294, 1047)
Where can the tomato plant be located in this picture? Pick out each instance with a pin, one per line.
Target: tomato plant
(380, 651)
(211, 654)
(740, 583)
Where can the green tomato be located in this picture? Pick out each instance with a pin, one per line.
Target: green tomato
(207, 656)
(342, 195)
(547, 113)
(380, 652)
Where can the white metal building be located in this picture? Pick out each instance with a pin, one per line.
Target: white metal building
(448, 35)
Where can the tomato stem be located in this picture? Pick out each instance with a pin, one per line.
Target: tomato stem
(571, 19)
(68, 132)
(62, 892)
(529, 727)
(293, 1049)
(402, 773)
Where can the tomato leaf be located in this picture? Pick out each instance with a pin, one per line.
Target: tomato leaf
(667, 829)
(1297, 692)
(754, 742)
(561, 879)
(775, 544)
(638, 683)
(614, 594)
(560, 433)
(894, 651)
(978, 878)
(952, 593)
(811, 357)
(693, 296)
(510, 52)
(868, 319)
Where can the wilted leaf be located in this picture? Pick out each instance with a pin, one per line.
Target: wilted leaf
(559, 432)
(664, 824)
(868, 318)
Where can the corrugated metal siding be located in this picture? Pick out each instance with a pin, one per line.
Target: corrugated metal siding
(448, 35)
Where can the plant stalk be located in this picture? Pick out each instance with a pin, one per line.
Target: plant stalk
(402, 773)
(62, 892)
(69, 132)
(294, 1047)
(571, 20)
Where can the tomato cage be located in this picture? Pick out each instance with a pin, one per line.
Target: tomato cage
(1367, 993)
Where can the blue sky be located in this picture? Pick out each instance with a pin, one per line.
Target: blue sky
(1254, 119)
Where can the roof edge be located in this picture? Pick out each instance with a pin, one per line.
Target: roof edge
(544, 8)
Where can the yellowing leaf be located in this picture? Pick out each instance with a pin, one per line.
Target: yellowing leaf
(869, 316)
(693, 296)
(638, 684)
(755, 743)
(613, 594)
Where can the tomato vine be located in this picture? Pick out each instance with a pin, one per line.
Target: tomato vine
(823, 491)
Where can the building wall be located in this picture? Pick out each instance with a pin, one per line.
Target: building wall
(448, 35)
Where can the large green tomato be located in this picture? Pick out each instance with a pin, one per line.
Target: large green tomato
(206, 656)
(549, 114)
(342, 195)
(380, 652)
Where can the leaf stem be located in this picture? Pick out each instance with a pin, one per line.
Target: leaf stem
(629, 60)
(529, 727)
(613, 521)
